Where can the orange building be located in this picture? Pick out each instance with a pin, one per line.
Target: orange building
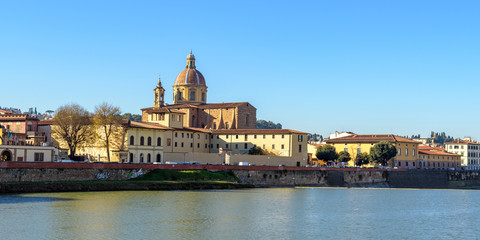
(438, 158)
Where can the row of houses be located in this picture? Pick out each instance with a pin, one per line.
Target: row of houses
(458, 154)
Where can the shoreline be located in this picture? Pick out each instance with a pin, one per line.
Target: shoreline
(90, 186)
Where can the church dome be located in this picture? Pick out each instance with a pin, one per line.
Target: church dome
(190, 75)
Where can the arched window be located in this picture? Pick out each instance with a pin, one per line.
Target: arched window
(142, 140)
(131, 157)
(159, 141)
(159, 157)
(149, 158)
(141, 157)
(132, 140)
(149, 141)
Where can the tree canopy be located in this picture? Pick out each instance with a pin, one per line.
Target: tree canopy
(256, 151)
(132, 117)
(382, 151)
(362, 159)
(72, 126)
(326, 153)
(108, 120)
(344, 156)
(262, 124)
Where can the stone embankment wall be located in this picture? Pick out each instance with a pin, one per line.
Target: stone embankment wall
(379, 178)
(67, 174)
(326, 178)
(257, 175)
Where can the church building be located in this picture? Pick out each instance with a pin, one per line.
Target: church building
(190, 98)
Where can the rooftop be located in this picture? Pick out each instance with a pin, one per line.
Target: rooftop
(371, 139)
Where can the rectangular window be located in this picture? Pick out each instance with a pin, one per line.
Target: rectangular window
(300, 138)
(283, 146)
(191, 145)
(182, 144)
(283, 136)
(226, 146)
(273, 146)
(359, 150)
(273, 136)
(176, 134)
(300, 148)
(227, 136)
(246, 146)
(263, 146)
(264, 136)
(236, 136)
(175, 144)
(206, 146)
(406, 152)
(255, 136)
(236, 146)
(399, 152)
(246, 137)
(198, 145)
(169, 141)
(38, 157)
(218, 136)
(218, 146)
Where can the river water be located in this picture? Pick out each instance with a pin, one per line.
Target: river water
(274, 213)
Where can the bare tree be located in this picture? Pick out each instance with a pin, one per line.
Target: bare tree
(108, 121)
(73, 126)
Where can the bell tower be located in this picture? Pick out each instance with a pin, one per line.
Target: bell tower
(159, 93)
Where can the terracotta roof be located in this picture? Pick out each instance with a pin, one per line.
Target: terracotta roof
(202, 106)
(222, 105)
(45, 122)
(161, 110)
(255, 131)
(436, 152)
(16, 117)
(425, 147)
(370, 139)
(459, 141)
(190, 76)
(146, 125)
(5, 112)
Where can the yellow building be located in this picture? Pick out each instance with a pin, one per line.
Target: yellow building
(194, 131)
(407, 150)
(437, 158)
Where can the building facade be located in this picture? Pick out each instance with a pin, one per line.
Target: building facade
(407, 150)
(436, 158)
(468, 149)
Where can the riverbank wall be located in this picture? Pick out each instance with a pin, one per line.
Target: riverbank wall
(257, 175)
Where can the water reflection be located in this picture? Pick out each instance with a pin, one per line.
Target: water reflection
(19, 199)
(284, 213)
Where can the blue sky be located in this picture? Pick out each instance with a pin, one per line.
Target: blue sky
(401, 67)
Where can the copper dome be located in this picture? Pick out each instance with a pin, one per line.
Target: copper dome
(190, 76)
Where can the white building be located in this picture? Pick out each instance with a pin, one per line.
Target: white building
(470, 151)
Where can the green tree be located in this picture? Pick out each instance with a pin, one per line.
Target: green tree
(132, 117)
(382, 152)
(326, 153)
(73, 127)
(262, 124)
(255, 151)
(108, 121)
(344, 156)
(362, 159)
